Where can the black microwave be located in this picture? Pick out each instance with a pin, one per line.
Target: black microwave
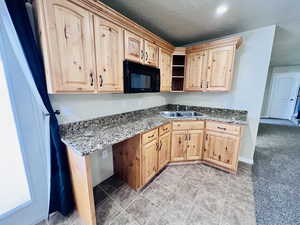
(140, 78)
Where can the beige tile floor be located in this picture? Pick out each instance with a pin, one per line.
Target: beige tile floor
(192, 194)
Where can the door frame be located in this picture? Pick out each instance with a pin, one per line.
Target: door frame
(274, 77)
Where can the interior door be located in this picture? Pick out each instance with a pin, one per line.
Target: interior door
(149, 156)
(165, 70)
(109, 55)
(195, 145)
(164, 150)
(71, 47)
(179, 143)
(134, 47)
(196, 71)
(151, 54)
(221, 149)
(219, 71)
(283, 96)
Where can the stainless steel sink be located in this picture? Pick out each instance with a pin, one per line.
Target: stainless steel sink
(180, 114)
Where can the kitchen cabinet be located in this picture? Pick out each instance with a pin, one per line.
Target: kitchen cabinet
(151, 54)
(109, 55)
(210, 65)
(137, 160)
(178, 146)
(134, 47)
(139, 50)
(165, 64)
(164, 150)
(196, 67)
(70, 51)
(84, 45)
(149, 161)
(222, 145)
(187, 140)
(194, 145)
(220, 68)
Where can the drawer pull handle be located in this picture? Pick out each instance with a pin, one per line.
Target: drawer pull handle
(222, 128)
(151, 136)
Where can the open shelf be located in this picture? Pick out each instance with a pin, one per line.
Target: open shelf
(178, 73)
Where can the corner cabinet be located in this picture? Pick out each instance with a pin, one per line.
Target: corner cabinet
(210, 65)
(222, 144)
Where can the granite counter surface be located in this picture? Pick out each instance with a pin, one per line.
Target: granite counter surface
(89, 136)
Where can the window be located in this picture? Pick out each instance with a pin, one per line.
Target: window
(14, 189)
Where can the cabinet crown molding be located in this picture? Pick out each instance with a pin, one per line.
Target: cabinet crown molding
(237, 41)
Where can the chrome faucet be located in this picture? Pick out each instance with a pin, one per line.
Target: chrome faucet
(186, 108)
(177, 107)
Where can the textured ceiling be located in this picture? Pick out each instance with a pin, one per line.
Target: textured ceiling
(184, 21)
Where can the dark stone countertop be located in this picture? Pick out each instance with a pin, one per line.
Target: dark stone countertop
(89, 136)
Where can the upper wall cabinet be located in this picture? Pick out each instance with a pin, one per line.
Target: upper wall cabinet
(210, 66)
(70, 52)
(196, 67)
(151, 54)
(83, 44)
(134, 47)
(109, 55)
(139, 50)
(165, 65)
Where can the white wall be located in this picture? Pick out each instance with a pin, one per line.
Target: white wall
(82, 107)
(251, 70)
(283, 70)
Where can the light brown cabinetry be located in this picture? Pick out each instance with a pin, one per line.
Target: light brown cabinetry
(196, 68)
(134, 47)
(220, 68)
(151, 54)
(210, 65)
(139, 50)
(70, 52)
(187, 140)
(165, 64)
(137, 160)
(109, 55)
(149, 161)
(222, 142)
(85, 55)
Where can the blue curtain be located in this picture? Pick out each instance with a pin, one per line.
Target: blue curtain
(61, 196)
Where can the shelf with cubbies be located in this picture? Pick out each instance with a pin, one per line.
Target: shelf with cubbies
(178, 71)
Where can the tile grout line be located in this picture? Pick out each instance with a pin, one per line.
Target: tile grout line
(224, 201)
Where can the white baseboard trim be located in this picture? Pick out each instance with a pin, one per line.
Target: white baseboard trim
(246, 160)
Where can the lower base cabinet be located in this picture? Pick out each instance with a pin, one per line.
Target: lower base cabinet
(137, 160)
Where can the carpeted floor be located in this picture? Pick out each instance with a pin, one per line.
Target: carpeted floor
(276, 175)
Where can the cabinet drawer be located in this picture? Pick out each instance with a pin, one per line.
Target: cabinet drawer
(164, 129)
(149, 136)
(223, 127)
(188, 125)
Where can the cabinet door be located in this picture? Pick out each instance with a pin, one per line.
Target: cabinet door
(109, 55)
(196, 71)
(165, 70)
(149, 165)
(164, 150)
(219, 75)
(179, 144)
(151, 54)
(221, 149)
(195, 144)
(71, 47)
(134, 47)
